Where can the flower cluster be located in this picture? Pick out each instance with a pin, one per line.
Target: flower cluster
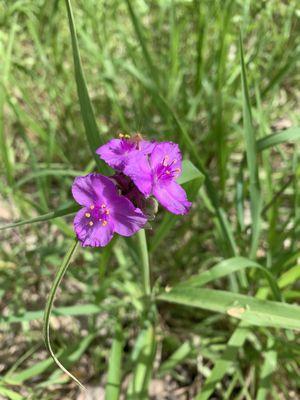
(145, 172)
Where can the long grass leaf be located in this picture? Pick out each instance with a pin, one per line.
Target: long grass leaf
(87, 112)
(61, 212)
(231, 266)
(288, 135)
(71, 311)
(246, 308)
(6, 63)
(140, 35)
(251, 153)
(113, 385)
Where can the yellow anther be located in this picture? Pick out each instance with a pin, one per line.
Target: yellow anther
(177, 169)
(103, 205)
(168, 172)
(127, 136)
(92, 207)
(121, 135)
(91, 223)
(107, 212)
(104, 223)
(87, 215)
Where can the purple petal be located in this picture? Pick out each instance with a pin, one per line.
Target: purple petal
(173, 197)
(147, 147)
(166, 153)
(93, 188)
(126, 218)
(97, 235)
(138, 169)
(115, 152)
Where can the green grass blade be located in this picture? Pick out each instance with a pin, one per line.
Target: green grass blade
(70, 355)
(71, 311)
(10, 394)
(246, 308)
(139, 33)
(177, 357)
(251, 153)
(288, 135)
(61, 212)
(268, 368)
(87, 112)
(231, 266)
(138, 387)
(113, 385)
(5, 69)
(46, 172)
(222, 365)
(49, 305)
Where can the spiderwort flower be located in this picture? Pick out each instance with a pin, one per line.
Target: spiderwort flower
(104, 211)
(117, 152)
(156, 175)
(128, 189)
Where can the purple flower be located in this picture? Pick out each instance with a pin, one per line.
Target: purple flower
(156, 175)
(128, 189)
(104, 211)
(117, 152)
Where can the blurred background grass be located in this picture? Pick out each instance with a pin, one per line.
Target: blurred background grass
(157, 67)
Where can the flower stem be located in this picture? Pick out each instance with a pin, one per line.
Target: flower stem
(144, 257)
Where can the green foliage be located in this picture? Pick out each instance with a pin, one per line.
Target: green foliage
(206, 303)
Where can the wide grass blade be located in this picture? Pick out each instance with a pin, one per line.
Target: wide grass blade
(71, 311)
(10, 394)
(113, 384)
(61, 212)
(288, 135)
(145, 349)
(87, 112)
(246, 308)
(231, 266)
(49, 305)
(251, 153)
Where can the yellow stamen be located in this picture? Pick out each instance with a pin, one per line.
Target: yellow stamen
(177, 169)
(103, 205)
(92, 207)
(127, 136)
(168, 172)
(107, 212)
(121, 135)
(104, 223)
(91, 223)
(87, 215)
